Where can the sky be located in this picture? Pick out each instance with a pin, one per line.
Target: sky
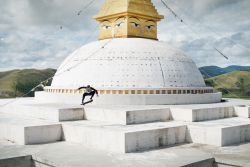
(42, 33)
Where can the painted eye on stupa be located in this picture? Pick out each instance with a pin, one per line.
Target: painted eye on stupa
(149, 27)
(106, 27)
(134, 24)
(119, 24)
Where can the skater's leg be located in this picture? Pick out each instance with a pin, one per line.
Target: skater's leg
(92, 95)
(83, 97)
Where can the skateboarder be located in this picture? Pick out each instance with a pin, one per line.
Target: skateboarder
(89, 91)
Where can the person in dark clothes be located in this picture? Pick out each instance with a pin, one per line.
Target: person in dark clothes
(89, 91)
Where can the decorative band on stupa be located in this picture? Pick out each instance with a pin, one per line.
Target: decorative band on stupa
(138, 91)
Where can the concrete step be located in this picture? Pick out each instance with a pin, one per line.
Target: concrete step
(201, 113)
(46, 112)
(126, 115)
(124, 139)
(242, 111)
(26, 131)
(223, 132)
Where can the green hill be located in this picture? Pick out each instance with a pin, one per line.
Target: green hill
(232, 84)
(18, 82)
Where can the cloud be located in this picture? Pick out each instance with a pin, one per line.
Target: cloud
(31, 37)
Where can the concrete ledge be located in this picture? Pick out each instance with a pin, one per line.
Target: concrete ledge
(45, 112)
(124, 139)
(116, 115)
(28, 131)
(42, 134)
(220, 132)
(201, 114)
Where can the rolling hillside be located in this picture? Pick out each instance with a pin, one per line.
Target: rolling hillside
(232, 84)
(15, 83)
(212, 71)
(18, 82)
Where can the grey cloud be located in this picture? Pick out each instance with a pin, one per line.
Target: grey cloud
(30, 34)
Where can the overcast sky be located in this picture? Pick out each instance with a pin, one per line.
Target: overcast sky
(31, 37)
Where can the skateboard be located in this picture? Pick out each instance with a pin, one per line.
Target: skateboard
(87, 102)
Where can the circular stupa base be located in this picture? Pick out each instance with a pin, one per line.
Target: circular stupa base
(133, 97)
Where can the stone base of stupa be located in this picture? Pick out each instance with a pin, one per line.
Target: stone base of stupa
(54, 134)
(132, 99)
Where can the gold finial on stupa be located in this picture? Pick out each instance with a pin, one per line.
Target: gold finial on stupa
(128, 18)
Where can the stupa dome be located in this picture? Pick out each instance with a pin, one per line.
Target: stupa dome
(128, 63)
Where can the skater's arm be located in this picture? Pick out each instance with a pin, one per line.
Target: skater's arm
(94, 90)
(83, 87)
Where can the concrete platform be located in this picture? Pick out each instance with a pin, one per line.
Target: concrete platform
(126, 115)
(203, 113)
(28, 131)
(220, 132)
(124, 139)
(43, 111)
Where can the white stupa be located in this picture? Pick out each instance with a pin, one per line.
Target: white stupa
(128, 65)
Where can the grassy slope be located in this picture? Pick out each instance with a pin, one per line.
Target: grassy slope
(18, 82)
(231, 84)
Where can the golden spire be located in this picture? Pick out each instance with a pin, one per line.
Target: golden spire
(128, 18)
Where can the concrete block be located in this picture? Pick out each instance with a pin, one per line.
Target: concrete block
(151, 139)
(124, 139)
(242, 111)
(126, 116)
(42, 134)
(201, 114)
(28, 131)
(71, 114)
(220, 132)
(21, 161)
(42, 111)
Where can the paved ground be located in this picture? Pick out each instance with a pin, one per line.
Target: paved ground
(73, 155)
(238, 155)
(68, 154)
